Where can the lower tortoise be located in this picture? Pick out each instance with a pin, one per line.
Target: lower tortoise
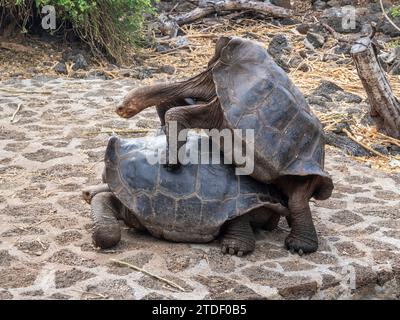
(196, 203)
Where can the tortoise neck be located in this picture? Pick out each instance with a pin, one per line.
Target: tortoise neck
(198, 87)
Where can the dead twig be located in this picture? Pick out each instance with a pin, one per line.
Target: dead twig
(35, 224)
(172, 284)
(186, 46)
(24, 92)
(116, 131)
(100, 295)
(15, 113)
(363, 144)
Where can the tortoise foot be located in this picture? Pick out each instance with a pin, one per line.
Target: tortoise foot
(239, 238)
(301, 243)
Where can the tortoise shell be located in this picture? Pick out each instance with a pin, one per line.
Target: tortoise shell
(190, 204)
(255, 93)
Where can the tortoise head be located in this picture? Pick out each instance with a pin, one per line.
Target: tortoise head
(133, 103)
(144, 97)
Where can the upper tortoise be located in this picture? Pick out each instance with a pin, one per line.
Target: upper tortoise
(243, 88)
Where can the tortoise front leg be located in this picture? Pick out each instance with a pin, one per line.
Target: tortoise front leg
(163, 108)
(104, 212)
(200, 116)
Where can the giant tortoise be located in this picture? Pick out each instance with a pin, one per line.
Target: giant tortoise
(243, 88)
(190, 205)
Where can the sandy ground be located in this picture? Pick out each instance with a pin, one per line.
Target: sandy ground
(54, 148)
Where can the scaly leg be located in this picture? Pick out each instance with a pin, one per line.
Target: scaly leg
(303, 236)
(238, 237)
(201, 116)
(106, 229)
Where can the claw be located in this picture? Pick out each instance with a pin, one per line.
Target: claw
(301, 252)
(240, 253)
(231, 251)
(292, 250)
(223, 249)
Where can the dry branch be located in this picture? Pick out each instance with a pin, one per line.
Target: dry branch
(172, 284)
(170, 26)
(15, 113)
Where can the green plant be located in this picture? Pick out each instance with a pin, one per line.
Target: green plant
(107, 26)
(395, 11)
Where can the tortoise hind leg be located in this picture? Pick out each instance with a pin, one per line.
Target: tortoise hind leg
(303, 236)
(238, 237)
(104, 212)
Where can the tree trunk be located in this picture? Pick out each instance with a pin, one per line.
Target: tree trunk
(385, 107)
(169, 25)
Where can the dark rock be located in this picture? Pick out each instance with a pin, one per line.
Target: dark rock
(279, 49)
(380, 148)
(288, 21)
(303, 54)
(326, 88)
(279, 45)
(125, 73)
(304, 67)
(60, 68)
(168, 69)
(282, 3)
(342, 48)
(394, 150)
(303, 28)
(143, 73)
(344, 61)
(319, 5)
(96, 75)
(80, 62)
(386, 27)
(347, 97)
(315, 39)
(295, 61)
(346, 144)
(318, 100)
(330, 57)
(161, 48)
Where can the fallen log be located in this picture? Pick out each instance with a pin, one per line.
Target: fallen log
(385, 107)
(170, 25)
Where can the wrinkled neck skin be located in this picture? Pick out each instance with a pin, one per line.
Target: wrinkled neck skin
(199, 87)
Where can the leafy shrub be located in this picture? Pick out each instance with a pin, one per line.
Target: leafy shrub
(107, 26)
(395, 11)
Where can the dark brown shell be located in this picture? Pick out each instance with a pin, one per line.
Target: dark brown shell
(255, 93)
(190, 204)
